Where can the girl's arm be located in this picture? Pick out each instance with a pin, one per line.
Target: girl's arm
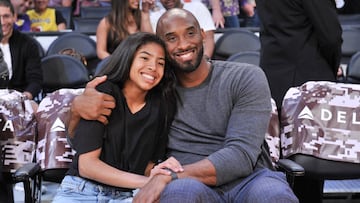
(91, 167)
(101, 39)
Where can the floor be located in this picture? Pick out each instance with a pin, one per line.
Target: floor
(49, 192)
(342, 191)
(339, 191)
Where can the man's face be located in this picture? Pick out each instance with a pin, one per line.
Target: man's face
(169, 4)
(7, 21)
(184, 42)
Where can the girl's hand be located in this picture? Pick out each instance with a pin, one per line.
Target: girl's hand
(162, 168)
(171, 163)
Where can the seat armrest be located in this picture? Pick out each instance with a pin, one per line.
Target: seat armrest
(26, 171)
(290, 167)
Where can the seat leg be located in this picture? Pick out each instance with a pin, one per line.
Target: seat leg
(309, 189)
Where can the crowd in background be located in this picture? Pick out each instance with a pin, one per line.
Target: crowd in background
(225, 13)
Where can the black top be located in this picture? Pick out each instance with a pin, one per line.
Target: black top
(59, 18)
(300, 42)
(112, 43)
(129, 141)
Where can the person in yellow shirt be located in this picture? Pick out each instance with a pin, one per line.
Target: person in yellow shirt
(45, 19)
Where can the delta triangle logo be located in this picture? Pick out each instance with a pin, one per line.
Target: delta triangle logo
(306, 114)
(58, 126)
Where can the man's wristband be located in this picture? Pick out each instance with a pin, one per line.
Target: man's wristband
(172, 174)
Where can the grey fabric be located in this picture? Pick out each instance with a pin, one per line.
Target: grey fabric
(224, 120)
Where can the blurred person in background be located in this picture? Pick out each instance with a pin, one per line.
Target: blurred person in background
(251, 18)
(125, 18)
(4, 189)
(302, 47)
(300, 42)
(21, 55)
(60, 3)
(23, 22)
(44, 18)
(348, 7)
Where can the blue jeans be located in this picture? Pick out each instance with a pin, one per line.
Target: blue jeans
(76, 189)
(231, 21)
(261, 186)
(253, 21)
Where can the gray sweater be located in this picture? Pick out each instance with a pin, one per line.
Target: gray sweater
(224, 119)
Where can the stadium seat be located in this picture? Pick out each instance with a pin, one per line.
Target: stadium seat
(63, 71)
(320, 131)
(235, 41)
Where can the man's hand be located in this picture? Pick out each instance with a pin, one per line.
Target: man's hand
(28, 95)
(94, 105)
(151, 191)
(91, 105)
(249, 9)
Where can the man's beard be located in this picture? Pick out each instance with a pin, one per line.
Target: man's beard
(187, 67)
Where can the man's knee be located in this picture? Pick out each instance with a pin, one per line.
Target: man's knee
(183, 186)
(271, 188)
(184, 190)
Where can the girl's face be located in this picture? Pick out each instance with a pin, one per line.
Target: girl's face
(148, 67)
(134, 4)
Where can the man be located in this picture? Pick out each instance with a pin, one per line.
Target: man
(21, 55)
(201, 13)
(23, 22)
(4, 188)
(300, 41)
(218, 131)
(348, 7)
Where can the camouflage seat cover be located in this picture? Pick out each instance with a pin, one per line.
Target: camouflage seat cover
(18, 130)
(53, 150)
(322, 119)
(272, 135)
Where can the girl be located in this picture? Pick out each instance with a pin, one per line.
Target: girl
(125, 18)
(112, 160)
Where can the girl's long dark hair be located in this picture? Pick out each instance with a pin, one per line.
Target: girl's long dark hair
(118, 18)
(118, 70)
